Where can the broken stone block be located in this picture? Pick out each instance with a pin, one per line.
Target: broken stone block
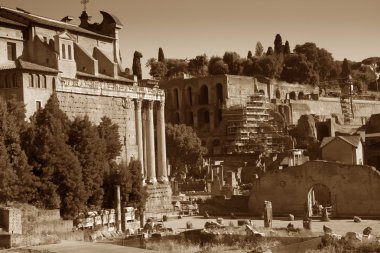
(352, 237)
(325, 215)
(307, 223)
(327, 230)
(219, 221)
(189, 225)
(291, 217)
(367, 231)
(357, 219)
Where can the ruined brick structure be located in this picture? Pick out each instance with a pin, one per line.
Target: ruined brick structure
(204, 103)
(82, 65)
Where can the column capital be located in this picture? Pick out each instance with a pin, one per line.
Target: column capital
(138, 104)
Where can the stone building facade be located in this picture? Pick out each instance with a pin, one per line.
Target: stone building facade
(82, 65)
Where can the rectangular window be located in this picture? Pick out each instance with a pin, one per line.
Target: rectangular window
(63, 51)
(69, 51)
(11, 48)
(38, 105)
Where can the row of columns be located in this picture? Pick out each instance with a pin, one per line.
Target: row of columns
(146, 141)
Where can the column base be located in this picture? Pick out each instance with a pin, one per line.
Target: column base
(163, 180)
(151, 180)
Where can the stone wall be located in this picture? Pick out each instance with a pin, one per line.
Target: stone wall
(117, 109)
(354, 189)
(10, 220)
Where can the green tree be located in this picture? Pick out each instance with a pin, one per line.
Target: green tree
(176, 67)
(266, 66)
(259, 49)
(217, 66)
(158, 70)
(278, 44)
(287, 48)
(136, 66)
(269, 51)
(109, 132)
(161, 56)
(91, 151)
(232, 59)
(184, 148)
(198, 66)
(55, 162)
(137, 194)
(345, 69)
(249, 55)
(296, 69)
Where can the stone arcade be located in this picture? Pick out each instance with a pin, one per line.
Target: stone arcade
(82, 65)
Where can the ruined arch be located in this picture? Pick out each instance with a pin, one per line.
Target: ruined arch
(278, 94)
(176, 98)
(203, 95)
(301, 95)
(190, 95)
(293, 95)
(219, 93)
(261, 92)
(318, 195)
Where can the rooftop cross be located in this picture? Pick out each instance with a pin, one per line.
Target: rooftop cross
(84, 2)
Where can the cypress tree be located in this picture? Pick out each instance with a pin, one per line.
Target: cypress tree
(278, 44)
(269, 51)
(259, 49)
(249, 56)
(287, 48)
(136, 67)
(161, 56)
(345, 69)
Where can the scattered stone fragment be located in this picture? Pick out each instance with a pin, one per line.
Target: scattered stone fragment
(367, 231)
(252, 232)
(352, 237)
(212, 225)
(291, 217)
(219, 221)
(327, 230)
(357, 219)
(189, 225)
(325, 215)
(307, 223)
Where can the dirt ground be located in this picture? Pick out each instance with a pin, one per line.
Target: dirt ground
(340, 227)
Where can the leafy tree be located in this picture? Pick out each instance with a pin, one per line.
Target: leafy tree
(232, 59)
(217, 66)
(266, 66)
(158, 70)
(138, 194)
(259, 49)
(345, 69)
(278, 44)
(161, 56)
(109, 132)
(91, 151)
(249, 55)
(296, 69)
(175, 67)
(287, 48)
(269, 51)
(198, 66)
(54, 161)
(136, 66)
(184, 148)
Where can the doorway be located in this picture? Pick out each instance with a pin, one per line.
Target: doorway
(318, 197)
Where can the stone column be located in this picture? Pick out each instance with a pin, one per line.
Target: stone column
(161, 144)
(150, 145)
(117, 208)
(139, 135)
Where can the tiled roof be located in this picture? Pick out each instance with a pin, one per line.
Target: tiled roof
(20, 64)
(104, 77)
(50, 22)
(353, 140)
(8, 21)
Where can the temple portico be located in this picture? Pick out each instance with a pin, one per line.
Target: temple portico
(153, 162)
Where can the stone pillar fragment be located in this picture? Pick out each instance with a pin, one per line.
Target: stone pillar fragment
(151, 162)
(161, 144)
(118, 208)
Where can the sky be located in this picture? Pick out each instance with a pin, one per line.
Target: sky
(187, 28)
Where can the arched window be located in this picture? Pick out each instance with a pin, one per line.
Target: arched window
(176, 99)
(39, 81)
(301, 95)
(30, 80)
(43, 81)
(35, 81)
(69, 51)
(190, 95)
(8, 81)
(63, 51)
(2, 82)
(292, 95)
(219, 93)
(15, 81)
(53, 84)
(203, 96)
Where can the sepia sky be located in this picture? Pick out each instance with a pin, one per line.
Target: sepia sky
(184, 29)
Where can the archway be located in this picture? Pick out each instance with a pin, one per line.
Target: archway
(319, 196)
(301, 95)
(219, 93)
(203, 95)
(292, 95)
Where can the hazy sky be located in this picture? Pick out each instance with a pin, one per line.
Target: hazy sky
(186, 28)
